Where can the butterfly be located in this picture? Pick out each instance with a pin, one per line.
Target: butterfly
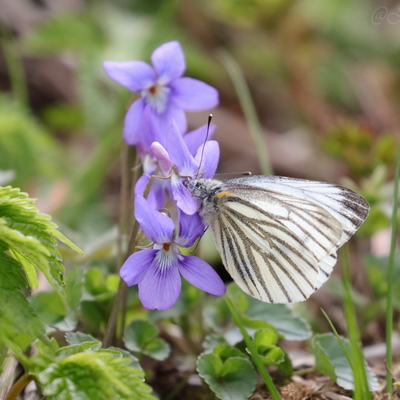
(278, 236)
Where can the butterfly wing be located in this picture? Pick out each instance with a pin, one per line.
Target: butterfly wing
(279, 244)
(348, 207)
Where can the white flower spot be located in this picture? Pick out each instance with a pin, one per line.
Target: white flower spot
(157, 97)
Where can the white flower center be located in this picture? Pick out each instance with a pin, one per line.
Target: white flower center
(167, 255)
(157, 97)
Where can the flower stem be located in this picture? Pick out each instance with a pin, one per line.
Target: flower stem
(19, 386)
(122, 288)
(243, 93)
(391, 281)
(250, 345)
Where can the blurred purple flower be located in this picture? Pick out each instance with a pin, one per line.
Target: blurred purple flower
(183, 152)
(162, 88)
(157, 270)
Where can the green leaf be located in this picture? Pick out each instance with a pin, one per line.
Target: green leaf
(141, 336)
(330, 360)
(211, 341)
(19, 323)
(283, 318)
(31, 237)
(266, 342)
(53, 311)
(225, 351)
(232, 378)
(78, 338)
(88, 375)
(72, 349)
(254, 314)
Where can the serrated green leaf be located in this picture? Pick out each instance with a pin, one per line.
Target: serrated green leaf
(331, 361)
(30, 236)
(72, 349)
(78, 337)
(126, 354)
(92, 375)
(18, 321)
(234, 379)
(141, 336)
(53, 311)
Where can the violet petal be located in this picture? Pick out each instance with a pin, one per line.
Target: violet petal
(136, 266)
(200, 274)
(168, 61)
(197, 138)
(158, 227)
(163, 160)
(179, 153)
(160, 288)
(191, 227)
(192, 94)
(184, 200)
(132, 121)
(134, 75)
(209, 163)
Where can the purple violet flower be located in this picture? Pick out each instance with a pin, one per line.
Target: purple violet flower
(180, 158)
(157, 270)
(162, 88)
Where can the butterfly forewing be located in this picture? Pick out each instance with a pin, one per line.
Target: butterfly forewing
(349, 208)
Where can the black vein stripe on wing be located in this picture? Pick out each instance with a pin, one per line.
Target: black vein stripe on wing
(329, 231)
(258, 227)
(348, 207)
(278, 255)
(233, 255)
(273, 263)
(319, 239)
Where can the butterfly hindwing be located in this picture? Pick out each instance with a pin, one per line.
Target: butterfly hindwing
(272, 253)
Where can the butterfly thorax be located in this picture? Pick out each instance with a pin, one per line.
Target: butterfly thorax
(205, 190)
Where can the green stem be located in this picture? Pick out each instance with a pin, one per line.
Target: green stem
(126, 204)
(19, 386)
(122, 288)
(249, 110)
(339, 339)
(389, 305)
(250, 345)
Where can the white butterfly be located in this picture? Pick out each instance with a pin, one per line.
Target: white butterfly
(278, 236)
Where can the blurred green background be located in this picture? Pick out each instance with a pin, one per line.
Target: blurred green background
(324, 77)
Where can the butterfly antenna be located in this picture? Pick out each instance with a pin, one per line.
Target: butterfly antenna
(205, 141)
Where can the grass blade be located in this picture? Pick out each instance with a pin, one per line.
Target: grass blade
(248, 108)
